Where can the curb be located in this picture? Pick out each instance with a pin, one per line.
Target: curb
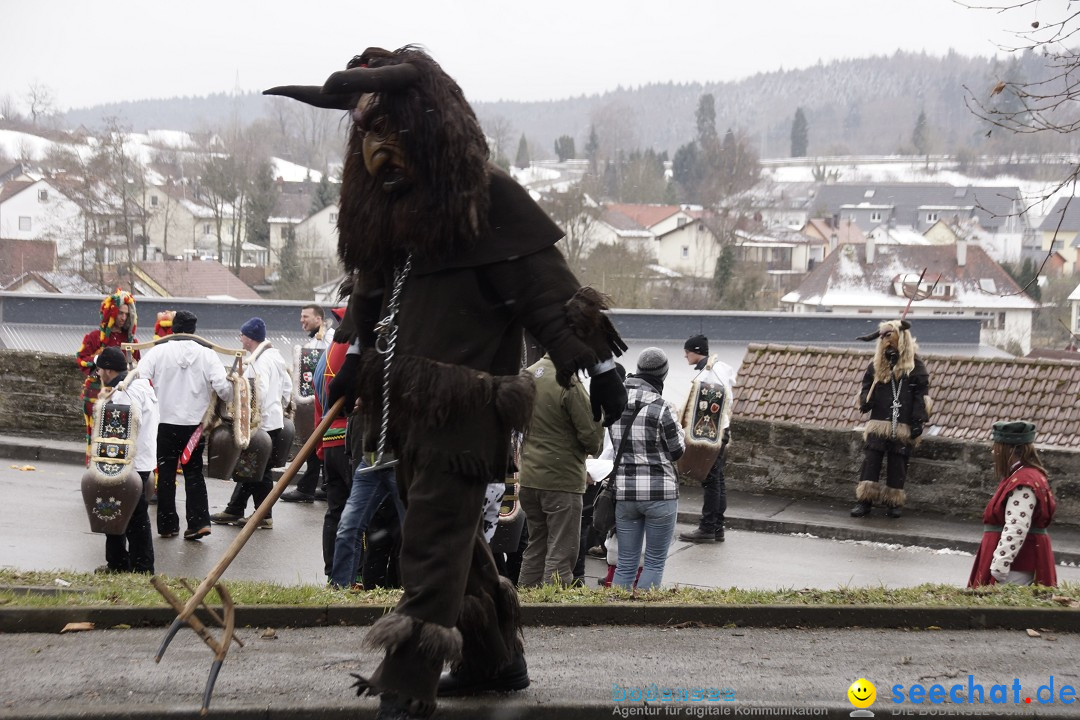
(831, 532)
(52, 620)
(41, 453)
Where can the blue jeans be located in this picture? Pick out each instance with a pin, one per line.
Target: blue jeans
(368, 491)
(652, 521)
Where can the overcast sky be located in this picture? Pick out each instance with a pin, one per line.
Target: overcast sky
(94, 52)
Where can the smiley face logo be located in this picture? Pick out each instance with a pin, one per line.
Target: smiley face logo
(862, 693)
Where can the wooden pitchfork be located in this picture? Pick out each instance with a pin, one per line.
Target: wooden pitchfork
(186, 611)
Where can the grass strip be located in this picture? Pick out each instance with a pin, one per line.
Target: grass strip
(130, 590)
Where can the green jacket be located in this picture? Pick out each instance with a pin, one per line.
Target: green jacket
(561, 434)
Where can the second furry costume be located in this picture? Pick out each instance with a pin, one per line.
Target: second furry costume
(896, 393)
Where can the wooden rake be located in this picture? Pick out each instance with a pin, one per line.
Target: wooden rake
(227, 619)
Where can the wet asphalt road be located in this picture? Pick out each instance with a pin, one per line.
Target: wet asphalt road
(43, 526)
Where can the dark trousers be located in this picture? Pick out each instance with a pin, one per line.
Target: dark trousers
(336, 467)
(448, 573)
(874, 456)
(715, 504)
(171, 440)
(310, 479)
(257, 490)
(134, 550)
(589, 537)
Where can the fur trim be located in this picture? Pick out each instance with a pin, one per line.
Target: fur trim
(893, 497)
(928, 403)
(429, 393)
(509, 609)
(883, 429)
(586, 318)
(514, 397)
(905, 345)
(868, 491)
(439, 643)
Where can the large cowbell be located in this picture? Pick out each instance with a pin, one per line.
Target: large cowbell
(110, 487)
(253, 459)
(279, 457)
(305, 361)
(703, 421)
(232, 429)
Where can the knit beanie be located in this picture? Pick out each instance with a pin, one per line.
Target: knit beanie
(255, 329)
(184, 322)
(111, 358)
(1016, 432)
(697, 344)
(652, 361)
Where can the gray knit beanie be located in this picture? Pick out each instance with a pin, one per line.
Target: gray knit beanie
(652, 361)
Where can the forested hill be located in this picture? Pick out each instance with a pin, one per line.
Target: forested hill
(866, 105)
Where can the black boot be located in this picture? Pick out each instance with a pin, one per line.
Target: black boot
(514, 676)
(862, 509)
(893, 511)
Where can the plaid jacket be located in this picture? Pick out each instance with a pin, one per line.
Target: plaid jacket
(647, 467)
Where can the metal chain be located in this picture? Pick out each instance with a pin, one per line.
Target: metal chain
(385, 344)
(895, 384)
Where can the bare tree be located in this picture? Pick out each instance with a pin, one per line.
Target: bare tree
(1046, 103)
(40, 100)
(500, 131)
(576, 216)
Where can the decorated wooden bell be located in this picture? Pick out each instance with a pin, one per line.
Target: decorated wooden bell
(253, 458)
(704, 419)
(110, 486)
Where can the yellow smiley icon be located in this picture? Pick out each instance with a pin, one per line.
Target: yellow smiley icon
(862, 693)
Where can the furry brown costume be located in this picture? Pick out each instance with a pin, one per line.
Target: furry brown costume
(895, 391)
(417, 190)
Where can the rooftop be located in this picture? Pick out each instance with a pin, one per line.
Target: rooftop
(818, 386)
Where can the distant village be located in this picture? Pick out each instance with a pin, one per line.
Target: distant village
(810, 240)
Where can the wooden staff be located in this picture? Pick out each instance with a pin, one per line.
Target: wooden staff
(185, 613)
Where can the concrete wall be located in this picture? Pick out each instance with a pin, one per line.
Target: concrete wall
(950, 476)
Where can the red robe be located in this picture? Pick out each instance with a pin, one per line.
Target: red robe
(1036, 555)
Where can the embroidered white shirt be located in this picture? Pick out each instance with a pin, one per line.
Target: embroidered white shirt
(1019, 507)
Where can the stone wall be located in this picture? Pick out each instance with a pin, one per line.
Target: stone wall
(945, 475)
(39, 395)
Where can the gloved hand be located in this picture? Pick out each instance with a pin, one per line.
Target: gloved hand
(345, 383)
(916, 429)
(608, 396)
(727, 436)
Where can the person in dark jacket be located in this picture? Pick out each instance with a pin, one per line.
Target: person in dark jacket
(451, 260)
(896, 393)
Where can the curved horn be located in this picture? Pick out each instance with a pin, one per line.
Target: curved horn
(313, 95)
(872, 336)
(379, 79)
(905, 325)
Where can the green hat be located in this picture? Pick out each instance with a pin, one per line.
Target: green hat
(1015, 432)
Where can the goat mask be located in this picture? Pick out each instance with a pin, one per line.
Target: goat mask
(415, 179)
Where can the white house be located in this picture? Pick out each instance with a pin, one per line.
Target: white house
(1074, 303)
(959, 279)
(316, 242)
(35, 210)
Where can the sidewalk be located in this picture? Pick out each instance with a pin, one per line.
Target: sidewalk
(746, 511)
